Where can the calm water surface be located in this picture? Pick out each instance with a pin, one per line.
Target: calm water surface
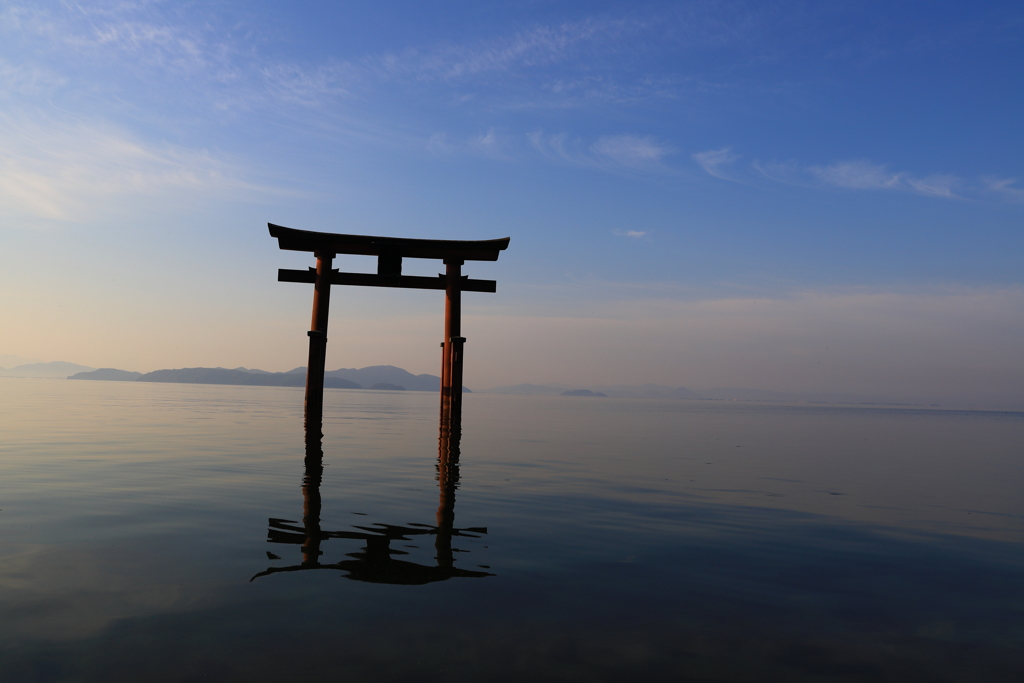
(153, 532)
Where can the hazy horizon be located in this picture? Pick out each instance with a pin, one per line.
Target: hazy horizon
(649, 390)
(783, 196)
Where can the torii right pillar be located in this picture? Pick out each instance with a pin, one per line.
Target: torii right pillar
(453, 344)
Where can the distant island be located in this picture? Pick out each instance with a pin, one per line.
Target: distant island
(234, 377)
(108, 375)
(377, 377)
(584, 392)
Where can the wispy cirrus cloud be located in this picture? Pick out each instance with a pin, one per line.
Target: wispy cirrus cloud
(168, 47)
(28, 79)
(635, 234)
(863, 175)
(207, 61)
(74, 170)
(493, 144)
(296, 84)
(941, 185)
(226, 69)
(602, 89)
(535, 47)
(625, 152)
(856, 175)
(614, 152)
(632, 151)
(713, 161)
(859, 174)
(118, 30)
(1004, 188)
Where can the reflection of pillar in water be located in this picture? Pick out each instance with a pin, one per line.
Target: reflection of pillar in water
(448, 482)
(311, 495)
(374, 563)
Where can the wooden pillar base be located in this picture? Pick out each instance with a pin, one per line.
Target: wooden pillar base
(455, 388)
(314, 401)
(311, 502)
(447, 482)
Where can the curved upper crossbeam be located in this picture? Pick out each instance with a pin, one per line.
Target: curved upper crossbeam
(395, 247)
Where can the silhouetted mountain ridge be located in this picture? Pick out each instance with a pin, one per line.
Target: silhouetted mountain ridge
(383, 374)
(585, 392)
(390, 377)
(108, 375)
(239, 377)
(57, 369)
(380, 377)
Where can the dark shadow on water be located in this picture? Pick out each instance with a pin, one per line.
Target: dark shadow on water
(376, 561)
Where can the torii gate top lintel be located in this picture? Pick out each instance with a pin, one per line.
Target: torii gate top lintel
(401, 247)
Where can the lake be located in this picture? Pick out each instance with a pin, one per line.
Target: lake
(156, 532)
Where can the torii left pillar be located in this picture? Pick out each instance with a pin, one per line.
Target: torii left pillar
(314, 407)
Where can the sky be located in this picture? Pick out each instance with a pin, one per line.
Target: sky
(795, 196)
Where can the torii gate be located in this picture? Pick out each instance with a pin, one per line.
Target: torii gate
(389, 252)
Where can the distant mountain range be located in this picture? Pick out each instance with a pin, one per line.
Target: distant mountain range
(55, 370)
(8, 360)
(382, 374)
(389, 377)
(380, 377)
(226, 376)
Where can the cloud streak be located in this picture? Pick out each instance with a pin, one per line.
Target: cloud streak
(860, 174)
(713, 161)
(73, 170)
(554, 65)
(536, 47)
(863, 175)
(614, 152)
(1004, 188)
(31, 80)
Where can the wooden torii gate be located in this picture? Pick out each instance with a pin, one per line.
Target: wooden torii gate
(389, 252)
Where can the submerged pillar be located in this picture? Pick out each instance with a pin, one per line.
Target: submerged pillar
(458, 344)
(448, 482)
(311, 503)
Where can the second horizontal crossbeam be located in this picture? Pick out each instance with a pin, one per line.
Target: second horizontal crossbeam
(373, 280)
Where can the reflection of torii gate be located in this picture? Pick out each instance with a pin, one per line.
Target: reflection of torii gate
(389, 252)
(374, 563)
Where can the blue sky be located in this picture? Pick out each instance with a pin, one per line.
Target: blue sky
(698, 193)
